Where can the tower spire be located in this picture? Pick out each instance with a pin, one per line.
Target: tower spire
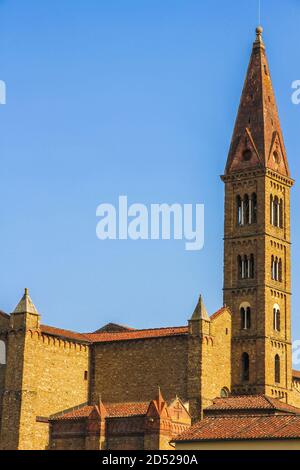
(257, 140)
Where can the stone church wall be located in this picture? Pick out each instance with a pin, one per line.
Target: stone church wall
(132, 370)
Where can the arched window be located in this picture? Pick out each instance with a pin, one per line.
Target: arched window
(251, 272)
(245, 367)
(276, 317)
(2, 353)
(246, 267)
(224, 392)
(245, 312)
(276, 212)
(239, 206)
(277, 369)
(273, 263)
(280, 270)
(240, 267)
(253, 208)
(271, 210)
(246, 209)
(281, 213)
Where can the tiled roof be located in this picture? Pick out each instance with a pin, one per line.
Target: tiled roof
(218, 313)
(75, 414)
(296, 374)
(136, 334)
(249, 403)
(4, 314)
(243, 427)
(113, 332)
(50, 330)
(114, 410)
(113, 328)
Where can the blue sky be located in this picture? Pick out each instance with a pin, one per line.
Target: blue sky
(132, 97)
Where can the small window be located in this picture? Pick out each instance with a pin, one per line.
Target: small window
(247, 154)
(224, 392)
(86, 375)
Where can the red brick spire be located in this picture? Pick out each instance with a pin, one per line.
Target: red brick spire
(257, 140)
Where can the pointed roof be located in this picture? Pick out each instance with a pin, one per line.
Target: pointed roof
(257, 140)
(26, 305)
(200, 312)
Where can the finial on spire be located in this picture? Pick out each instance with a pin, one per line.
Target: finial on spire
(259, 40)
(259, 30)
(26, 291)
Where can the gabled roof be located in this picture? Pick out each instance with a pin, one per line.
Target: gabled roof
(113, 328)
(230, 428)
(218, 313)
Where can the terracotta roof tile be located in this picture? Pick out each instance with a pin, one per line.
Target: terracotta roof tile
(296, 374)
(244, 427)
(58, 332)
(114, 410)
(136, 334)
(249, 403)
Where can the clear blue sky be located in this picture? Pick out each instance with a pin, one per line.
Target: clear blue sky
(111, 97)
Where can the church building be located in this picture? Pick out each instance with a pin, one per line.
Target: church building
(207, 381)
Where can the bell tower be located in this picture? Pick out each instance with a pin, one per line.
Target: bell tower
(257, 267)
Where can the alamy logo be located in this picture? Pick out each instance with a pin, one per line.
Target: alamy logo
(2, 92)
(296, 94)
(158, 222)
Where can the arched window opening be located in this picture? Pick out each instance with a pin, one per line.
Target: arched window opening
(254, 208)
(251, 274)
(273, 267)
(239, 205)
(277, 369)
(276, 269)
(281, 213)
(276, 212)
(2, 353)
(246, 267)
(276, 318)
(245, 367)
(245, 318)
(247, 209)
(271, 210)
(280, 270)
(240, 267)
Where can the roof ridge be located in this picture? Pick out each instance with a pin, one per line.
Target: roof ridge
(138, 330)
